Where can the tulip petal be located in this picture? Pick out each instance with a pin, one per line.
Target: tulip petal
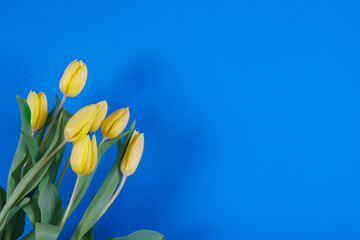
(80, 123)
(101, 112)
(133, 154)
(74, 78)
(115, 123)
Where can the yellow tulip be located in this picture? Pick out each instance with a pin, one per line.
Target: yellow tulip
(101, 110)
(79, 124)
(133, 154)
(83, 157)
(73, 79)
(39, 109)
(115, 123)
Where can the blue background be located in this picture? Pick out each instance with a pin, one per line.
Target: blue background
(250, 109)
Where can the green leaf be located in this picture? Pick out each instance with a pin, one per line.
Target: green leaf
(33, 177)
(86, 180)
(21, 151)
(142, 235)
(53, 133)
(32, 146)
(55, 166)
(49, 116)
(32, 210)
(103, 196)
(2, 198)
(15, 228)
(46, 231)
(29, 236)
(50, 204)
(13, 211)
(29, 183)
(89, 235)
(14, 219)
(57, 100)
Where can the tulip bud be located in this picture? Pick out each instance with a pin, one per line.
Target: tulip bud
(115, 123)
(83, 157)
(79, 124)
(101, 110)
(39, 109)
(133, 154)
(73, 79)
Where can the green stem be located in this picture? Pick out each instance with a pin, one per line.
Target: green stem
(20, 188)
(102, 141)
(114, 196)
(52, 123)
(67, 212)
(62, 174)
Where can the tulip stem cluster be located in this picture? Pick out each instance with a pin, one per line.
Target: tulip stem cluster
(52, 122)
(68, 209)
(13, 199)
(83, 160)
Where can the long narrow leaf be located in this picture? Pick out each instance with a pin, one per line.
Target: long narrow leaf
(50, 204)
(31, 179)
(32, 210)
(55, 166)
(21, 151)
(2, 198)
(15, 228)
(46, 231)
(142, 235)
(32, 147)
(13, 211)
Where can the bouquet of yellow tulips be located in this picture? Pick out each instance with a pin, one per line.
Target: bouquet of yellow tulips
(34, 178)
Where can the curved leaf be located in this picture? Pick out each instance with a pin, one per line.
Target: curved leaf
(30, 235)
(142, 235)
(2, 198)
(15, 228)
(21, 151)
(57, 100)
(33, 177)
(32, 147)
(55, 166)
(46, 231)
(32, 210)
(13, 211)
(31, 183)
(89, 235)
(50, 204)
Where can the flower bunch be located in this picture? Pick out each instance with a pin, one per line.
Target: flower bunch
(33, 180)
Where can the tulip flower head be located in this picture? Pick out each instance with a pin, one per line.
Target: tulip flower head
(39, 109)
(79, 124)
(73, 79)
(133, 154)
(83, 157)
(115, 123)
(101, 110)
